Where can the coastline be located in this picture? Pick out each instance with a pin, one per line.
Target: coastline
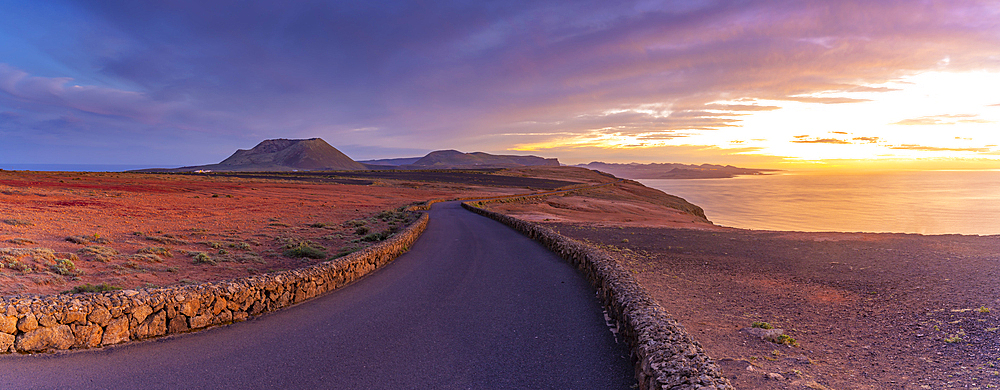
(866, 310)
(925, 202)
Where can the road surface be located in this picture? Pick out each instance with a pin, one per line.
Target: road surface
(473, 305)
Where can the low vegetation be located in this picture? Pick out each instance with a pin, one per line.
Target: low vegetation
(202, 258)
(27, 260)
(786, 340)
(17, 222)
(65, 267)
(146, 257)
(355, 223)
(166, 239)
(156, 250)
(214, 244)
(100, 253)
(91, 288)
(16, 265)
(346, 251)
(303, 249)
(87, 240)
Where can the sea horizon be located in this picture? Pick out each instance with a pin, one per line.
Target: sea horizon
(910, 202)
(74, 167)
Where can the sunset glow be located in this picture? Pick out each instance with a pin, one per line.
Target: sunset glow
(789, 85)
(948, 118)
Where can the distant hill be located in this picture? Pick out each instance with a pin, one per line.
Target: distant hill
(673, 171)
(453, 159)
(280, 155)
(392, 162)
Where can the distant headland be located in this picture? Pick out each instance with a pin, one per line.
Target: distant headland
(673, 171)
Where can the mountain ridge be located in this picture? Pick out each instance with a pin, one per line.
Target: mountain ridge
(445, 159)
(672, 170)
(280, 154)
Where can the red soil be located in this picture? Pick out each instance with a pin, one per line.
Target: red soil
(241, 224)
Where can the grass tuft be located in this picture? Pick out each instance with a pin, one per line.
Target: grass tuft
(305, 249)
(146, 257)
(91, 288)
(786, 340)
(65, 267)
(355, 223)
(87, 240)
(156, 250)
(375, 237)
(202, 258)
(17, 222)
(100, 253)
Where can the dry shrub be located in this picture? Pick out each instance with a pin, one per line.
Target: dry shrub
(158, 251)
(29, 260)
(146, 257)
(17, 222)
(99, 253)
(87, 240)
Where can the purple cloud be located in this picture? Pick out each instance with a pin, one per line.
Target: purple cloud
(455, 74)
(59, 92)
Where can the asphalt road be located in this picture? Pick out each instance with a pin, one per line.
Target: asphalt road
(473, 305)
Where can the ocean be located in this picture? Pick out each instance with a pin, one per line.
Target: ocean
(925, 202)
(72, 167)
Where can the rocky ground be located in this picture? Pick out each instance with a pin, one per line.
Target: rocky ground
(59, 231)
(860, 311)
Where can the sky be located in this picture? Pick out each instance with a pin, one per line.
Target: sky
(767, 84)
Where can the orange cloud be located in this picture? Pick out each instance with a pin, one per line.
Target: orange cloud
(740, 107)
(946, 119)
(824, 100)
(938, 149)
(822, 141)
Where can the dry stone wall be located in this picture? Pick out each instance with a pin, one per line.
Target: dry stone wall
(665, 355)
(45, 323)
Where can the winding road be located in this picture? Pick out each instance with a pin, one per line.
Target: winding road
(473, 305)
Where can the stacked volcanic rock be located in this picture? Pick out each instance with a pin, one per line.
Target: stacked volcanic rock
(45, 323)
(666, 357)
